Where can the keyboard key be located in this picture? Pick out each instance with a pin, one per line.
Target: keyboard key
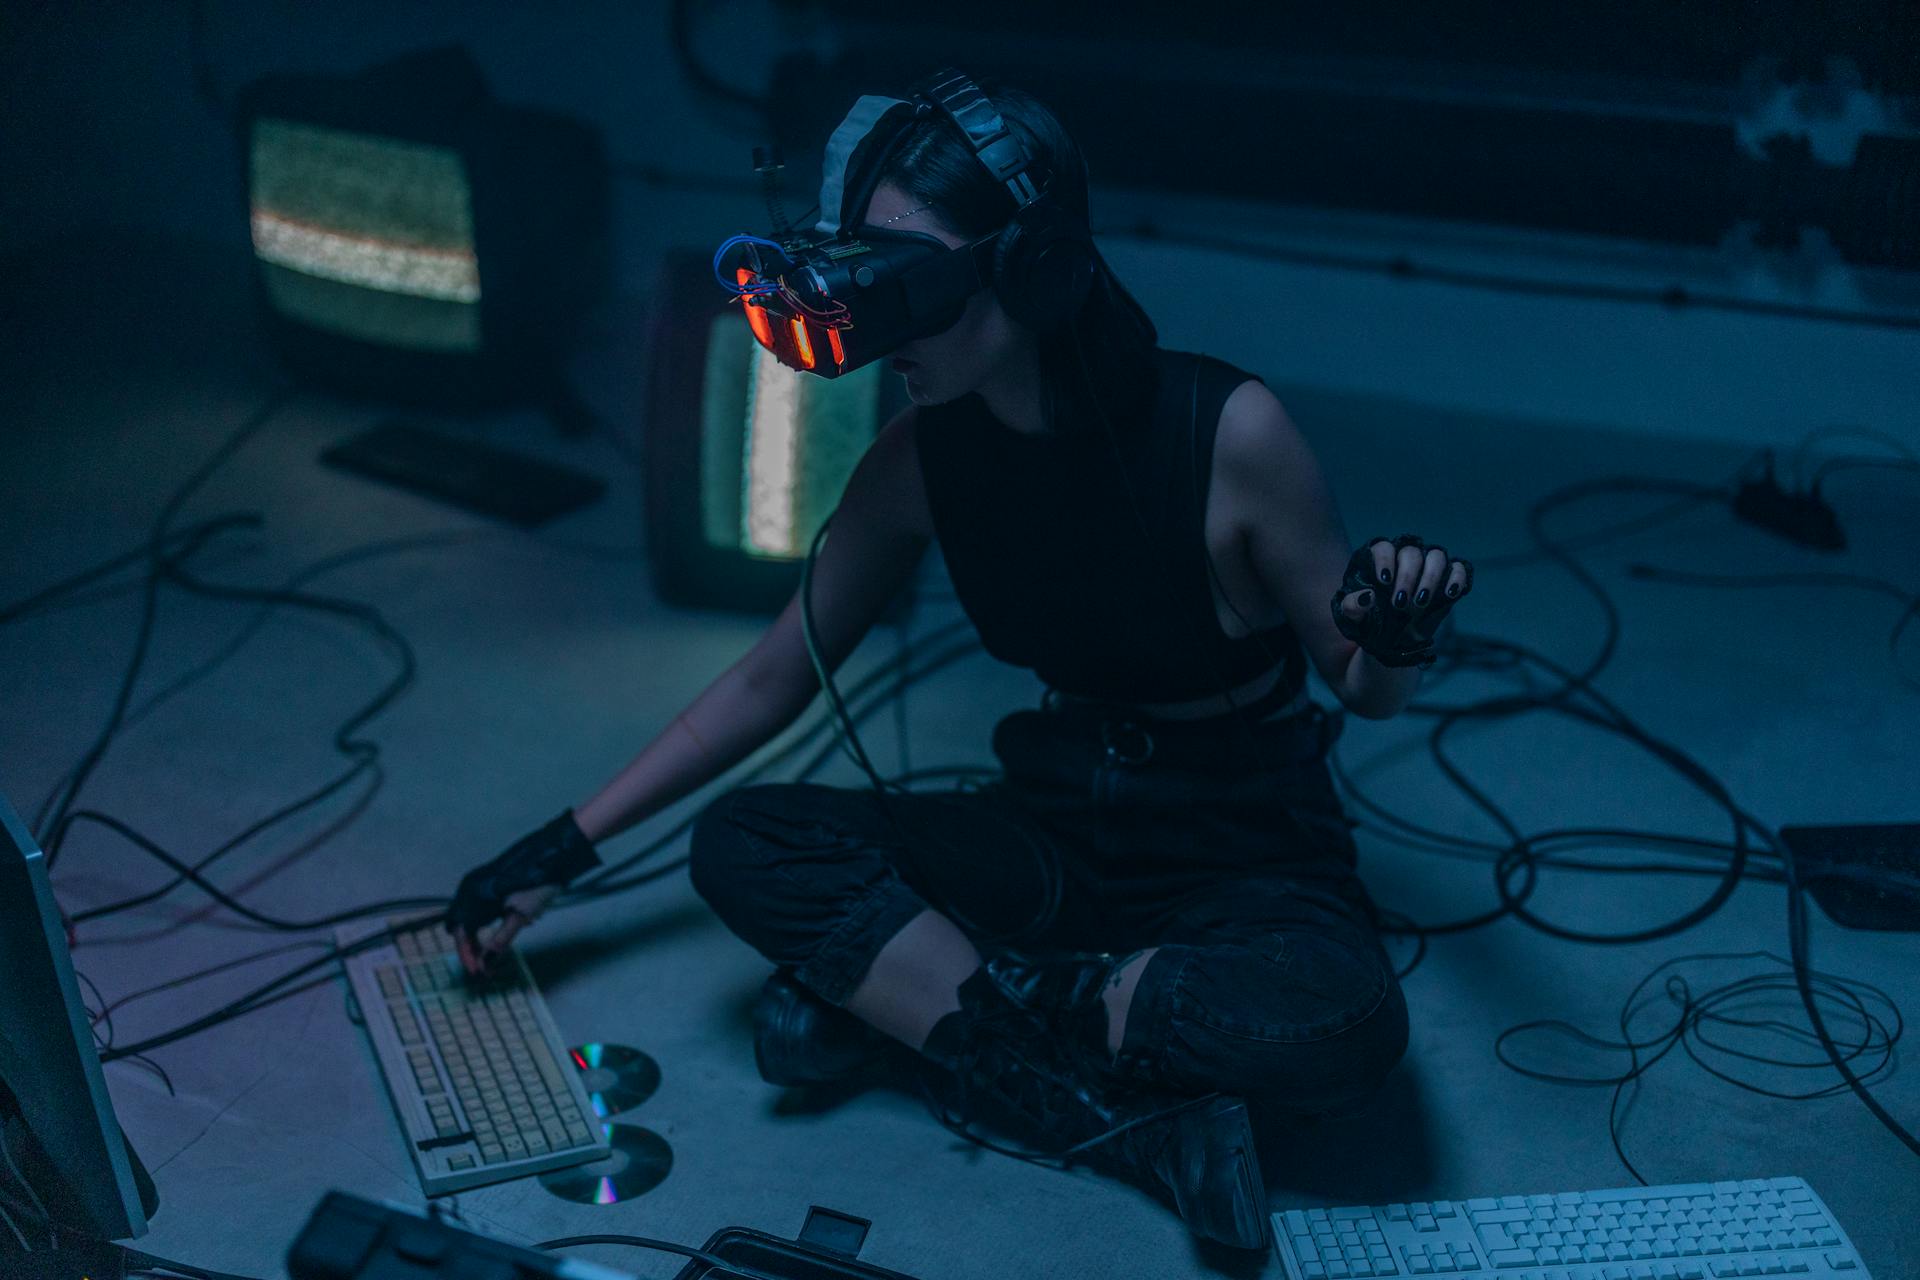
(1511, 1257)
(1841, 1261)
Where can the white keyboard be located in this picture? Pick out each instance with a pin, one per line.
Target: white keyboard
(479, 1075)
(1695, 1231)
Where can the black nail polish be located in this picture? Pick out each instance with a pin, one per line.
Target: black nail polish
(1453, 588)
(1422, 597)
(1399, 598)
(1366, 599)
(1386, 575)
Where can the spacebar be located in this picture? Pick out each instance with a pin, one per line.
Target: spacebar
(1511, 1257)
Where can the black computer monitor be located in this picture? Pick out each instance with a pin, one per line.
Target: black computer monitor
(55, 1115)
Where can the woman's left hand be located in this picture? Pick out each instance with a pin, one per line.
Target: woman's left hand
(1395, 595)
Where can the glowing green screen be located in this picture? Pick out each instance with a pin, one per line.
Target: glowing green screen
(365, 236)
(776, 445)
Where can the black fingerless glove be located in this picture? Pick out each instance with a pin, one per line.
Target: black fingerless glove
(554, 854)
(1394, 637)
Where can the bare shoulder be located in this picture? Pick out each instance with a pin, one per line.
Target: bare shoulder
(1256, 436)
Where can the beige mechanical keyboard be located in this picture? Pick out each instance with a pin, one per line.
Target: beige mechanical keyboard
(478, 1073)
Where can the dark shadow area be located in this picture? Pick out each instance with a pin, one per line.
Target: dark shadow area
(820, 1099)
(1379, 1154)
(1219, 1259)
(736, 1014)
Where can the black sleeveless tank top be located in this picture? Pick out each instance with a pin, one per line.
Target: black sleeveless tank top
(1050, 561)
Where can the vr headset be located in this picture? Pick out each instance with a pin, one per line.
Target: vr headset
(830, 300)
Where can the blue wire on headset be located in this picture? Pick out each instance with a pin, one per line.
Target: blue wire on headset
(764, 287)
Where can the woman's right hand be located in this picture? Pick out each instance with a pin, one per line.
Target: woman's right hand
(515, 888)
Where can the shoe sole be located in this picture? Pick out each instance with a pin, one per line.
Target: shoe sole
(1246, 1224)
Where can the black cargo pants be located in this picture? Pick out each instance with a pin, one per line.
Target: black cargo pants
(1224, 847)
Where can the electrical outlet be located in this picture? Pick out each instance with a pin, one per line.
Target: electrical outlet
(1802, 518)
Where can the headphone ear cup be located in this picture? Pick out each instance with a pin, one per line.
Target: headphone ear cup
(1042, 268)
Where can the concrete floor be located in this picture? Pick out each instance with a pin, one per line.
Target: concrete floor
(545, 661)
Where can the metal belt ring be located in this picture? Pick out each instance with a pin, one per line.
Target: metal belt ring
(1126, 742)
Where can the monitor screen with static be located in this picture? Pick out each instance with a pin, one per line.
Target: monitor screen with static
(416, 240)
(744, 457)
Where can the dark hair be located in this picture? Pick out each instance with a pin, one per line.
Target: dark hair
(933, 163)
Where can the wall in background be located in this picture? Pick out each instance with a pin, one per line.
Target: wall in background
(104, 129)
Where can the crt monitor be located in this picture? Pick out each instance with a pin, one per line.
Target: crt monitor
(744, 457)
(55, 1116)
(416, 240)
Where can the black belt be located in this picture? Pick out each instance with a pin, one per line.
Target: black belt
(1106, 733)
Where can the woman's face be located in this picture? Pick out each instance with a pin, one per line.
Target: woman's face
(984, 344)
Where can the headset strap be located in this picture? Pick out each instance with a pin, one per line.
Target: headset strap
(986, 132)
(851, 151)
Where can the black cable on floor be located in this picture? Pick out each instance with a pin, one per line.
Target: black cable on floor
(51, 813)
(1718, 1006)
(1520, 855)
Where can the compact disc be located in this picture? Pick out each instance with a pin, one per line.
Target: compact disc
(639, 1163)
(617, 1078)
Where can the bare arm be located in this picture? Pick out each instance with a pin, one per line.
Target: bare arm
(1298, 545)
(877, 537)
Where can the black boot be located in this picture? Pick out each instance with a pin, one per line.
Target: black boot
(1066, 989)
(994, 1057)
(799, 1038)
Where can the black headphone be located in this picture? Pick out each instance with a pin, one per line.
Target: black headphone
(1043, 259)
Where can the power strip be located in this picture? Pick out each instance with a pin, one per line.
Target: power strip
(1882, 890)
(1803, 518)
